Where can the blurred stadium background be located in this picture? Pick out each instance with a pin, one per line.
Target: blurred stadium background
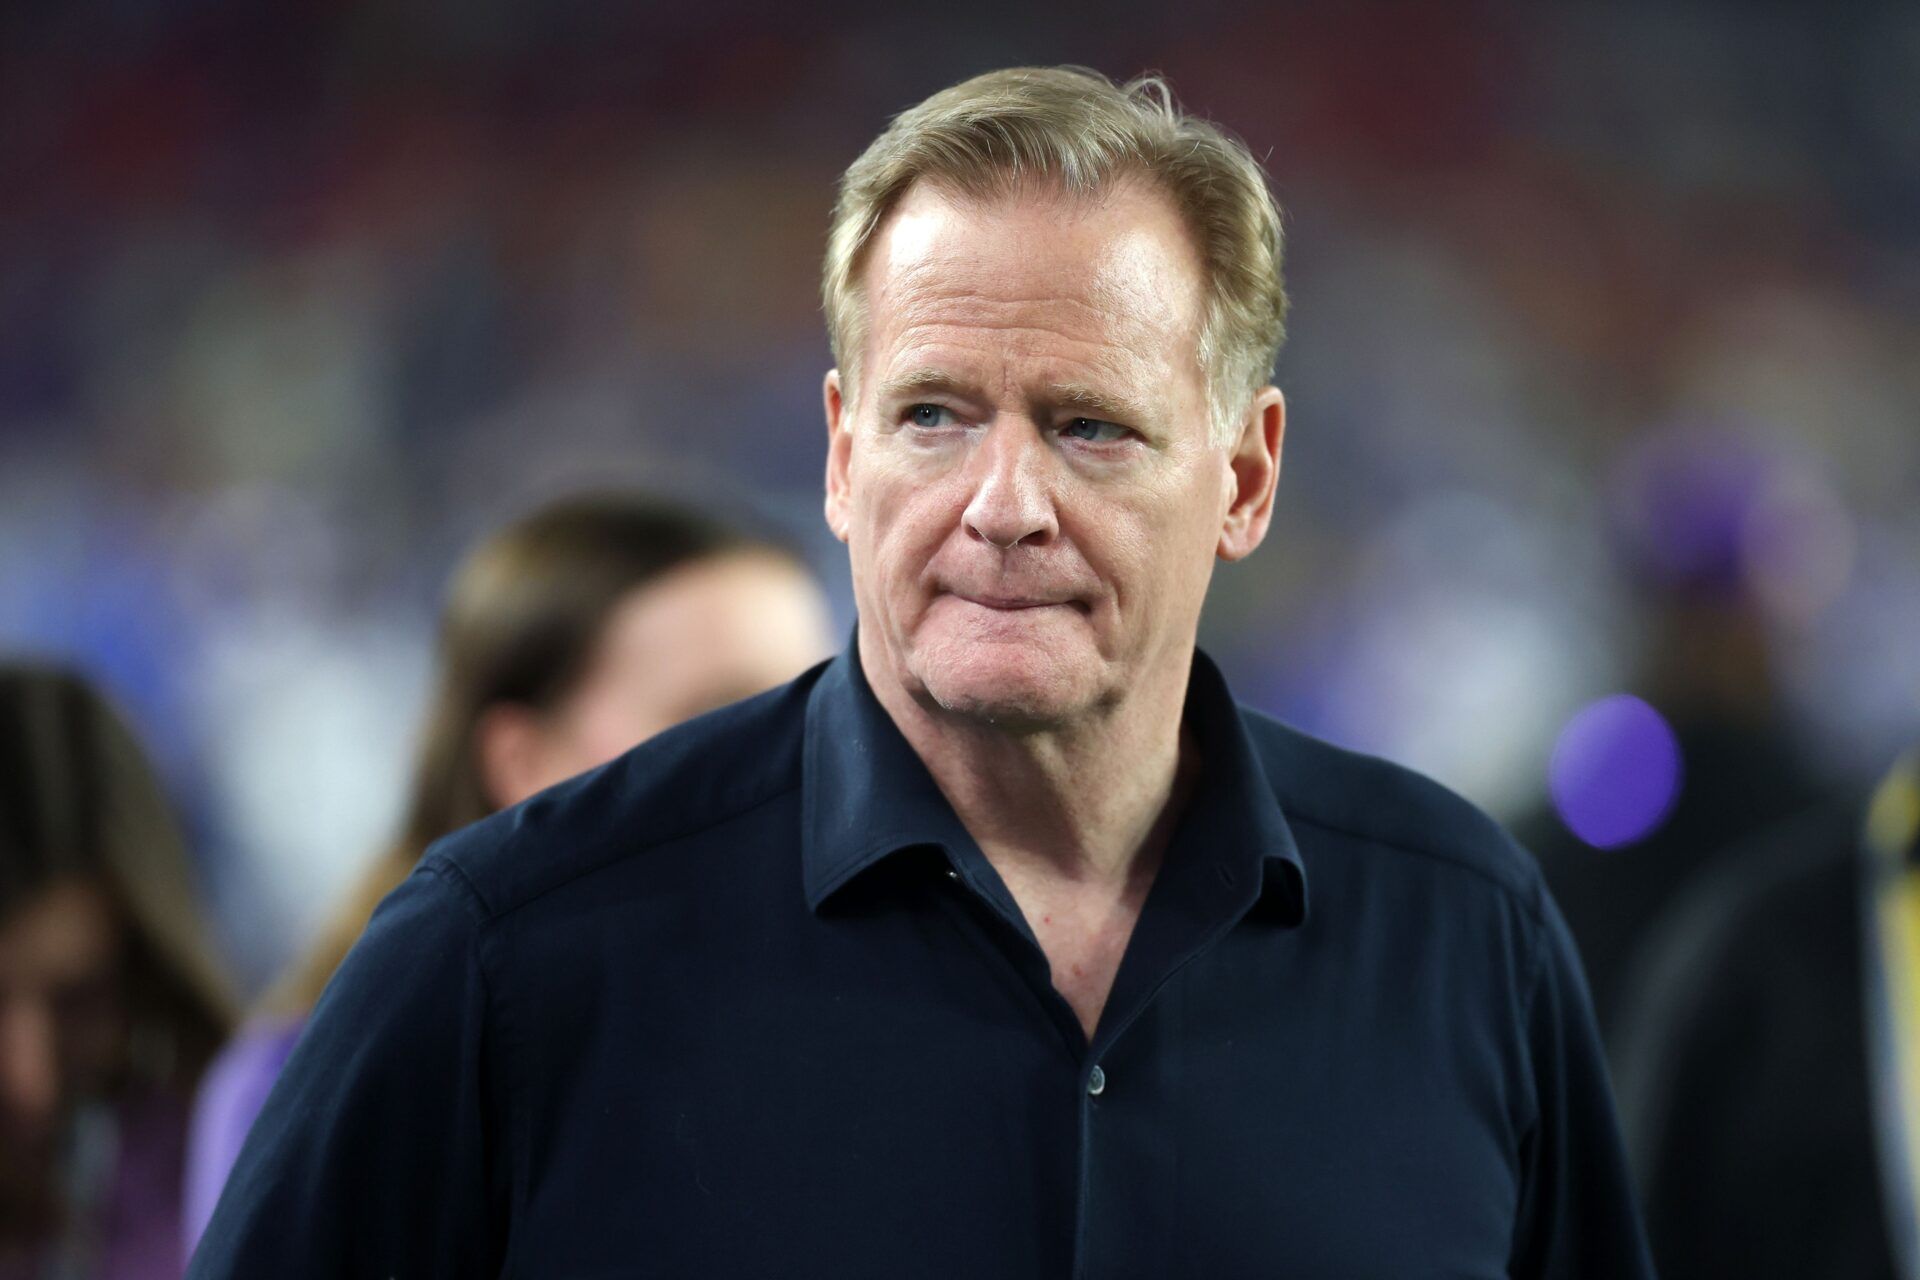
(1606, 336)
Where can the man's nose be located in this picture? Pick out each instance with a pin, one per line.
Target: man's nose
(1012, 492)
(29, 1060)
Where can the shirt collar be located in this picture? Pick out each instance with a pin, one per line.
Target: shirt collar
(867, 795)
(865, 792)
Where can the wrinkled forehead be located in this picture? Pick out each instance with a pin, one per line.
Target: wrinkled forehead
(1121, 257)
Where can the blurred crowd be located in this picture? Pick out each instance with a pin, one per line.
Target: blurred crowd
(1602, 505)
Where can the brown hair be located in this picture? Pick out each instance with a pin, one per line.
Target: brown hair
(523, 614)
(79, 801)
(1077, 129)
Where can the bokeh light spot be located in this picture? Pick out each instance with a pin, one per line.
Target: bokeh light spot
(1615, 771)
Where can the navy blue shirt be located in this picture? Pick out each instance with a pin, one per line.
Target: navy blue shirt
(749, 1001)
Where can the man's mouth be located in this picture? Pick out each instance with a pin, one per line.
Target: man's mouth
(1014, 604)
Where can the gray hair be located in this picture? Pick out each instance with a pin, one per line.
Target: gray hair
(1077, 129)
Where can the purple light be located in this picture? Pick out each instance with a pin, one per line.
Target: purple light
(1615, 771)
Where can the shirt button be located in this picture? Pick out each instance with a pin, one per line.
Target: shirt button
(1096, 1082)
(952, 874)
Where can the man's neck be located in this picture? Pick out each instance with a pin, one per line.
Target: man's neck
(1090, 803)
(1075, 820)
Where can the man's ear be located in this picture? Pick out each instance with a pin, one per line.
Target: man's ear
(1256, 471)
(839, 451)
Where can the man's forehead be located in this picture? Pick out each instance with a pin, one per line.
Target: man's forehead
(1122, 262)
(1114, 245)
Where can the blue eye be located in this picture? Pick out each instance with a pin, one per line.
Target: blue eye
(930, 415)
(1095, 430)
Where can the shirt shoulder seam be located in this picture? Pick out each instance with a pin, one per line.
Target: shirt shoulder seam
(463, 885)
(490, 913)
(514, 1139)
(1522, 899)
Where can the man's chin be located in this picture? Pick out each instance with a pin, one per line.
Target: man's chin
(1020, 700)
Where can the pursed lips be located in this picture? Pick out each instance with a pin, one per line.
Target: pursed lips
(1013, 604)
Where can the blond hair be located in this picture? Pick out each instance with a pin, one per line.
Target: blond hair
(1076, 129)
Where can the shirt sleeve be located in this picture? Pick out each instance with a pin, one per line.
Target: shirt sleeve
(1578, 1216)
(373, 1155)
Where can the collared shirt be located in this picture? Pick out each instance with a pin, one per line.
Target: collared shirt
(750, 1001)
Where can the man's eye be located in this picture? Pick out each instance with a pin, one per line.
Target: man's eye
(1095, 430)
(930, 415)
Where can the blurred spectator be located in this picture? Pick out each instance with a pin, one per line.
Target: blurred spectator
(110, 1004)
(1648, 791)
(568, 637)
(1770, 1064)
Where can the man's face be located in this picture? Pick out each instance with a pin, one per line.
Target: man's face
(1027, 483)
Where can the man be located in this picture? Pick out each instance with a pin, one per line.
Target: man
(986, 948)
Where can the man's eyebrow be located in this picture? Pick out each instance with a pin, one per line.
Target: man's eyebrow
(1074, 397)
(1091, 403)
(921, 382)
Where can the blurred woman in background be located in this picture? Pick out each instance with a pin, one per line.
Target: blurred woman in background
(568, 637)
(110, 1003)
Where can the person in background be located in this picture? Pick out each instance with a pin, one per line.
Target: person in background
(110, 1001)
(1770, 1053)
(1687, 501)
(568, 637)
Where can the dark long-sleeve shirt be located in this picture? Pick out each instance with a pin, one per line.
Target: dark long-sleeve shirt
(750, 1001)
